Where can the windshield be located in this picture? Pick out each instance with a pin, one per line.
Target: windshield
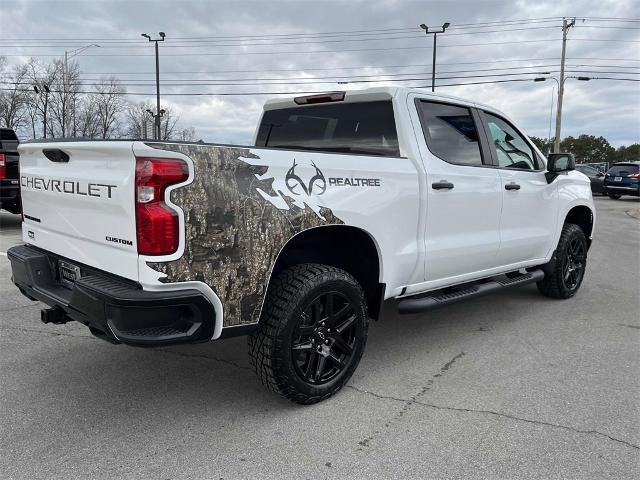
(365, 128)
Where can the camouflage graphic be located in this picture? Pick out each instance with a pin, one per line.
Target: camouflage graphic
(233, 234)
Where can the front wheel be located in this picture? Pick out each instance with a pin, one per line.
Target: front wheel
(312, 332)
(565, 271)
(614, 196)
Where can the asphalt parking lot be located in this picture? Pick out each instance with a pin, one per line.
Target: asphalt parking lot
(510, 386)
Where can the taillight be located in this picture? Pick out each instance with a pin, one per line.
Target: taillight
(634, 175)
(157, 225)
(3, 166)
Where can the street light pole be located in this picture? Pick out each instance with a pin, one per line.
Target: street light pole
(158, 131)
(435, 35)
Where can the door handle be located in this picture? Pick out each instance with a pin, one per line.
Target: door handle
(442, 185)
(512, 186)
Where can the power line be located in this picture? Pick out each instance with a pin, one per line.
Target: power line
(296, 92)
(375, 79)
(341, 33)
(242, 43)
(312, 80)
(384, 31)
(318, 77)
(295, 51)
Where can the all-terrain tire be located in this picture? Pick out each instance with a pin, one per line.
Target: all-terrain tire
(555, 283)
(288, 309)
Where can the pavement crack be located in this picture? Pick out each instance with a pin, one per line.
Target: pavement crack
(407, 403)
(629, 326)
(496, 414)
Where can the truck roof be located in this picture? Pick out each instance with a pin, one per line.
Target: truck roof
(379, 93)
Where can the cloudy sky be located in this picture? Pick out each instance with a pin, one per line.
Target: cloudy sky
(233, 47)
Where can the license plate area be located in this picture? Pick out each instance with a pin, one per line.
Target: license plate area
(617, 179)
(68, 273)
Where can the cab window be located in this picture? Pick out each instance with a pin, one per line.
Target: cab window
(512, 150)
(450, 132)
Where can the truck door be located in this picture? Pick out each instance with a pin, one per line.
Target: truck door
(463, 193)
(529, 206)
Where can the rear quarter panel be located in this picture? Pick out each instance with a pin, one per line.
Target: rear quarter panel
(245, 204)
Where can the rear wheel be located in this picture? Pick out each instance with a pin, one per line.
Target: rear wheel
(312, 332)
(614, 196)
(564, 274)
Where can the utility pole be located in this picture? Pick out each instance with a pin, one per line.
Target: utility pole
(433, 64)
(566, 25)
(158, 132)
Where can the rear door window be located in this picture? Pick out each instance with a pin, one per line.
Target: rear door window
(364, 128)
(450, 132)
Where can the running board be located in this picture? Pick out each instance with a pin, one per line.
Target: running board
(446, 296)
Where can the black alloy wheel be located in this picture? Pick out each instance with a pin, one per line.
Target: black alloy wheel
(563, 275)
(324, 340)
(574, 263)
(312, 332)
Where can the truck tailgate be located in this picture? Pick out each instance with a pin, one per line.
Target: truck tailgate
(83, 208)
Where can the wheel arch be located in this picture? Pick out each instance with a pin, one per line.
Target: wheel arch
(343, 246)
(583, 217)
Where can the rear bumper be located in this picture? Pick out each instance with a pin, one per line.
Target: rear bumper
(623, 189)
(114, 309)
(9, 190)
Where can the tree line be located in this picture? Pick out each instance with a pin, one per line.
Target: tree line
(49, 100)
(591, 149)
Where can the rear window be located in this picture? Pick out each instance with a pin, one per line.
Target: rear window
(6, 134)
(623, 169)
(364, 128)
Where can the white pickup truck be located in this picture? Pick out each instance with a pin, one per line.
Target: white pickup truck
(346, 199)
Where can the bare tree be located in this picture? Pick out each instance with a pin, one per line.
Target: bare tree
(140, 122)
(87, 124)
(109, 104)
(186, 135)
(13, 99)
(41, 77)
(64, 85)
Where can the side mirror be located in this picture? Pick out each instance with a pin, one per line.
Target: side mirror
(558, 163)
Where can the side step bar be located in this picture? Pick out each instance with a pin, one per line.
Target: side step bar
(451, 295)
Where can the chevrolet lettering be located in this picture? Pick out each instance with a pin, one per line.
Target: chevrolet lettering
(67, 186)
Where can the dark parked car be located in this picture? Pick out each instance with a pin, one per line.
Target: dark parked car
(623, 179)
(595, 175)
(9, 183)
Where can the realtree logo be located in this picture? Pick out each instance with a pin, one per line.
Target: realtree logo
(317, 185)
(294, 182)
